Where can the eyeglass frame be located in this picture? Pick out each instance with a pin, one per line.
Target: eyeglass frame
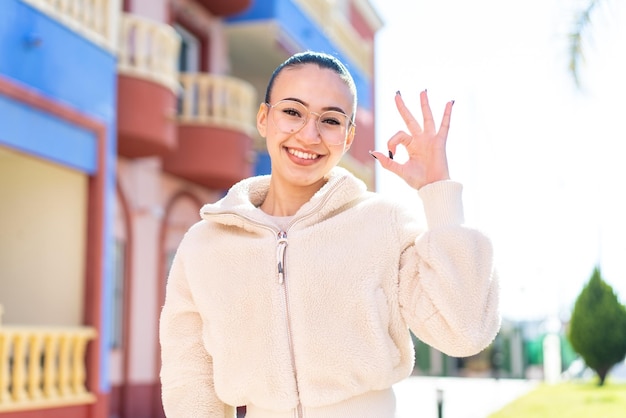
(350, 125)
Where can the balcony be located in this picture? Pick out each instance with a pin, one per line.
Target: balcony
(216, 122)
(225, 8)
(268, 32)
(147, 87)
(96, 20)
(339, 29)
(263, 36)
(43, 367)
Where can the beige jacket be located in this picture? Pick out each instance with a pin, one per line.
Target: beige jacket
(319, 313)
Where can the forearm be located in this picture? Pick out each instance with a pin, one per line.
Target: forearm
(450, 297)
(449, 287)
(186, 367)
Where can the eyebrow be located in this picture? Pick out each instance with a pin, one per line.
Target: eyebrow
(325, 109)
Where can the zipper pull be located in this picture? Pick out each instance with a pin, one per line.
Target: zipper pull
(280, 255)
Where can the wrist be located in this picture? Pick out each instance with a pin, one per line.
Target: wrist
(443, 203)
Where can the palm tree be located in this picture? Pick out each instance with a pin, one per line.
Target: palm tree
(582, 25)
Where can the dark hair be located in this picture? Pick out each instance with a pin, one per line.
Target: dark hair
(320, 59)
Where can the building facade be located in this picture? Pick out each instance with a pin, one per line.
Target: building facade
(118, 120)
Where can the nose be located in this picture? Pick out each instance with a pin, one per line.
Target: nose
(310, 132)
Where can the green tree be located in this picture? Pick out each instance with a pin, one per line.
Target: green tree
(598, 326)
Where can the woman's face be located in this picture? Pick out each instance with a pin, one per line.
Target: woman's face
(303, 158)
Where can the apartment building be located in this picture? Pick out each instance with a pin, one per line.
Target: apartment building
(118, 120)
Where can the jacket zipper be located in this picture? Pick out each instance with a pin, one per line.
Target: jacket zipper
(281, 247)
(281, 250)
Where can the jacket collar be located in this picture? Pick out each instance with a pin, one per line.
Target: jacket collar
(244, 197)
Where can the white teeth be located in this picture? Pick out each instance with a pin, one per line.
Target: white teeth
(303, 155)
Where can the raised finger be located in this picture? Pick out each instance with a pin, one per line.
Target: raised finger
(429, 121)
(445, 121)
(411, 123)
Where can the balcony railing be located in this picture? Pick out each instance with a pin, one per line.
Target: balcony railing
(337, 27)
(43, 367)
(94, 19)
(217, 100)
(149, 49)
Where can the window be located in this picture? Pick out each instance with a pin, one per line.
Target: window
(189, 57)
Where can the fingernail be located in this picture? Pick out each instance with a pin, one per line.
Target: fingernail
(373, 155)
(398, 93)
(391, 155)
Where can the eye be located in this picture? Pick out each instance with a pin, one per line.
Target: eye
(294, 113)
(333, 119)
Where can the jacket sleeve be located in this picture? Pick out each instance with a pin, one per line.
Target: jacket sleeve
(186, 367)
(449, 292)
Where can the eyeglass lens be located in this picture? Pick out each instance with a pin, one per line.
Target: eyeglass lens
(291, 116)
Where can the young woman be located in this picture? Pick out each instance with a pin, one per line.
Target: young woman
(295, 293)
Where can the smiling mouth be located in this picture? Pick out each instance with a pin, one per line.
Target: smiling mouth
(303, 155)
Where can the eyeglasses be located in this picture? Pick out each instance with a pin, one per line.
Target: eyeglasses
(290, 117)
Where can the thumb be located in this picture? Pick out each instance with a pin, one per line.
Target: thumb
(385, 161)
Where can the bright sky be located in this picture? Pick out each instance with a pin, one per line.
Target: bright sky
(541, 162)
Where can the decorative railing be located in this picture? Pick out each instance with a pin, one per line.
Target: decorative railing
(338, 28)
(219, 100)
(43, 367)
(149, 49)
(95, 19)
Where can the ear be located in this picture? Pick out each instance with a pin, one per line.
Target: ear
(350, 138)
(261, 119)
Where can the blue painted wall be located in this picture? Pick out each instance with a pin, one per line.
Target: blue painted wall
(263, 163)
(298, 27)
(41, 54)
(24, 128)
(62, 64)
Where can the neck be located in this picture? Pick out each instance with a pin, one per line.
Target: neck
(286, 202)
